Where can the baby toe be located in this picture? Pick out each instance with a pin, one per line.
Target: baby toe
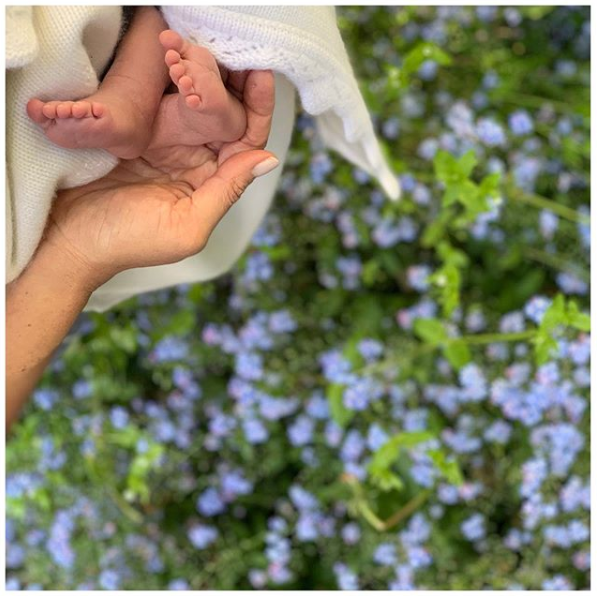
(172, 57)
(35, 110)
(81, 109)
(64, 109)
(185, 85)
(171, 40)
(176, 72)
(49, 109)
(98, 109)
(193, 101)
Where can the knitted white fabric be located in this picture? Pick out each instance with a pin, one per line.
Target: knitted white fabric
(304, 44)
(53, 52)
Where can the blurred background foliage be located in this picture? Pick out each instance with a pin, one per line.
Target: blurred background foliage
(379, 395)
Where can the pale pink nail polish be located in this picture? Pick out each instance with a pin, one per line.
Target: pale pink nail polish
(264, 167)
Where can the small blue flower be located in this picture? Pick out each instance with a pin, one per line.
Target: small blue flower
(557, 582)
(473, 528)
(202, 536)
(301, 431)
(490, 132)
(385, 554)
(351, 533)
(169, 349)
(82, 389)
(520, 123)
(210, 503)
(45, 398)
(346, 578)
(255, 431)
(376, 437)
(119, 417)
(498, 432)
(301, 498)
(370, 349)
(234, 484)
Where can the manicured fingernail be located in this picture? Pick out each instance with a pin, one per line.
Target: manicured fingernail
(264, 167)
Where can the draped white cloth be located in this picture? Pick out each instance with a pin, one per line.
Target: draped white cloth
(57, 52)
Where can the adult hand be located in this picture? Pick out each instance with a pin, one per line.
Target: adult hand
(162, 207)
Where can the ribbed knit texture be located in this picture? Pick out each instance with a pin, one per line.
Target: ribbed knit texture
(53, 52)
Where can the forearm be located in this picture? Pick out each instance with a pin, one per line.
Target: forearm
(41, 306)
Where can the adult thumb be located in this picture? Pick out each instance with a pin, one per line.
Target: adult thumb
(219, 192)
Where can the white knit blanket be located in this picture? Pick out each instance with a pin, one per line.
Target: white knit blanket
(56, 52)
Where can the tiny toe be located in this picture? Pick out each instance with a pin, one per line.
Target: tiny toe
(98, 109)
(185, 84)
(64, 109)
(49, 109)
(171, 40)
(35, 110)
(81, 109)
(193, 101)
(172, 57)
(176, 72)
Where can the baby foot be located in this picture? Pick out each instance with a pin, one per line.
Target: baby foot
(204, 104)
(110, 124)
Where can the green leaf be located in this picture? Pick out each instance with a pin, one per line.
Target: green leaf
(576, 319)
(489, 185)
(419, 54)
(555, 315)
(446, 167)
(467, 163)
(434, 232)
(341, 415)
(180, 323)
(448, 468)
(457, 353)
(449, 254)
(451, 195)
(124, 338)
(448, 280)
(351, 350)
(431, 331)
(388, 453)
(545, 346)
(386, 480)
(371, 270)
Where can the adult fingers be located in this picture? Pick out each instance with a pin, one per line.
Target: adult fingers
(219, 192)
(259, 101)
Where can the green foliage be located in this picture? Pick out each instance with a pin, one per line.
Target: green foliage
(399, 78)
(380, 467)
(340, 414)
(459, 188)
(381, 463)
(434, 333)
(559, 315)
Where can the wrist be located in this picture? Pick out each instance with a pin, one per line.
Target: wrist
(62, 267)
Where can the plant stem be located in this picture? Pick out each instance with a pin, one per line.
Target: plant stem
(544, 203)
(125, 507)
(407, 510)
(369, 515)
(555, 262)
(489, 338)
(533, 101)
